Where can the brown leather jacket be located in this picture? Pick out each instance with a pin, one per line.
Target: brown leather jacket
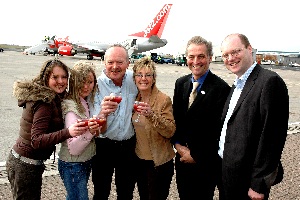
(41, 124)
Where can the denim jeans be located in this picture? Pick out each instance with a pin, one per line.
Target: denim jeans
(75, 176)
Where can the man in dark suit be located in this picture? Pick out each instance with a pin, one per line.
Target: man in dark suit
(255, 122)
(198, 127)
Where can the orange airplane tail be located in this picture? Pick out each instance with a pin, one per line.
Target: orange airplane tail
(157, 25)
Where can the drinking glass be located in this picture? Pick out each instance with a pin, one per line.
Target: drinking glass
(117, 96)
(100, 119)
(135, 107)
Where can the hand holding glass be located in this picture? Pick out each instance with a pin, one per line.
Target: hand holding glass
(117, 97)
(99, 121)
(135, 107)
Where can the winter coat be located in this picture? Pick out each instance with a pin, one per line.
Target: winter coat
(41, 123)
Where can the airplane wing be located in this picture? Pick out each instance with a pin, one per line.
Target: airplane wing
(156, 39)
(36, 48)
(91, 46)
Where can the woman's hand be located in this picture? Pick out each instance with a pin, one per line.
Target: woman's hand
(77, 129)
(94, 127)
(144, 109)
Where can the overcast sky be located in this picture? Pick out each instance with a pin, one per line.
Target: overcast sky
(269, 25)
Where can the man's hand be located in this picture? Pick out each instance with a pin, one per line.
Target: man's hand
(184, 152)
(108, 106)
(254, 195)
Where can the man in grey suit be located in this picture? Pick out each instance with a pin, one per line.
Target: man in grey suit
(255, 122)
(198, 124)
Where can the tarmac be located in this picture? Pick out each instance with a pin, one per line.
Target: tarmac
(15, 66)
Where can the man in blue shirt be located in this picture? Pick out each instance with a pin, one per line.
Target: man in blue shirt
(115, 150)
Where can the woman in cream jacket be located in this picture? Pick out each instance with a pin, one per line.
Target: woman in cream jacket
(154, 128)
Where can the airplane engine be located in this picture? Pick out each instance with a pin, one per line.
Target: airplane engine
(67, 50)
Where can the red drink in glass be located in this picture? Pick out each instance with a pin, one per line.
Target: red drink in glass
(86, 121)
(100, 121)
(117, 99)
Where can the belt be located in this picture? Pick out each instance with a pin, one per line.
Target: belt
(26, 160)
(117, 142)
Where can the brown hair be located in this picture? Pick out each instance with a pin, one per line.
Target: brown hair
(198, 40)
(46, 70)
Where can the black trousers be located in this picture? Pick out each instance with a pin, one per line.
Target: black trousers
(114, 157)
(154, 182)
(25, 179)
(226, 192)
(195, 181)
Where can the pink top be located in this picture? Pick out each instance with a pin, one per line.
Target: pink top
(77, 144)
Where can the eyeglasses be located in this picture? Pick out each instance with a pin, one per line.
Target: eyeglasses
(233, 53)
(143, 75)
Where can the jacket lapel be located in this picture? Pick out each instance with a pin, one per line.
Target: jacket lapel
(187, 88)
(247, 88)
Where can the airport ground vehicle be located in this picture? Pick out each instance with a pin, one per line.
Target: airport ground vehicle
(135, 57)
(181, 60)
(162, 59)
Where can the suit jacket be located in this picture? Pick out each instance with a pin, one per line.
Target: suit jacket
(256, 133)
(199, 126)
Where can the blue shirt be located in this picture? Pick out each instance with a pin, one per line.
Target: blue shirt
(239, 85)
(200, 80)
(119, 125)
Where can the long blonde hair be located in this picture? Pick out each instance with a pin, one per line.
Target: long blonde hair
(78, 78)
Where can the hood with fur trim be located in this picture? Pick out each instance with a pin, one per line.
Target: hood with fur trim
(26, 91)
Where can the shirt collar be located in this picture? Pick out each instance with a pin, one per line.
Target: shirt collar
(201, 79)
(240, 82)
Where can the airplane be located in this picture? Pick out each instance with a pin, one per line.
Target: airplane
(151, 37)
(49, 46)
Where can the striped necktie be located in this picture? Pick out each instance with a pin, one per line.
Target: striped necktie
(193, 93)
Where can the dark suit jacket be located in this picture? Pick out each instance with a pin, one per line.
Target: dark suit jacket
(199, 126)
(256, 133)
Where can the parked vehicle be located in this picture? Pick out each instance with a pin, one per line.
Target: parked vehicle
(134, 57)
(181, 60)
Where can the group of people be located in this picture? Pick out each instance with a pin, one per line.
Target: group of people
(212, 134)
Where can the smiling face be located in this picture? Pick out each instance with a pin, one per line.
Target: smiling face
(58, 80)
(88, 86)
(198, 60)
(116, 63)
(144, 79)
(236, 56)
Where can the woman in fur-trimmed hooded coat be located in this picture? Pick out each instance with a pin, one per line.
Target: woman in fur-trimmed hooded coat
(41, 128)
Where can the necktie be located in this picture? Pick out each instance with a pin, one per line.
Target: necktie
(193, 93)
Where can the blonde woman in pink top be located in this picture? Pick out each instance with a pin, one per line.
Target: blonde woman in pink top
(75, 156)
